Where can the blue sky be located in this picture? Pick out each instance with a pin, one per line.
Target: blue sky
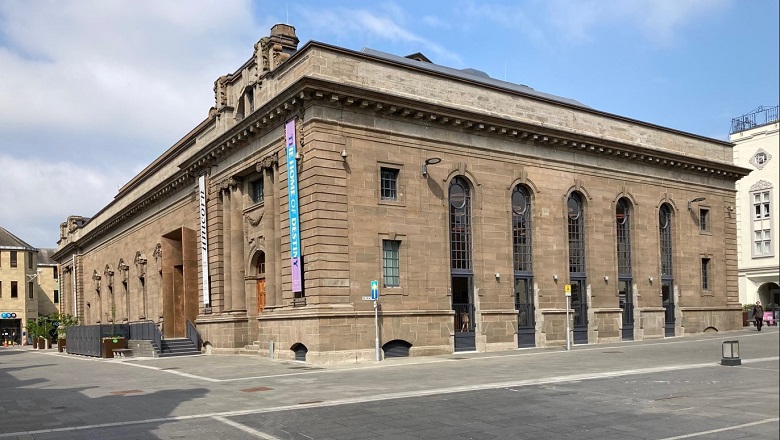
(92, 91)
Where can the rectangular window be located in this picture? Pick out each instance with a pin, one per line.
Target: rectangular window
(705, 274)
(56, 297)
(257, 190)
(30, 260)
(389, 183)
(704, 219)
(762, 224)
(14, 290)
(391, 269)
(13, 258)
(30, 290)
(56, 272)
(1, 289)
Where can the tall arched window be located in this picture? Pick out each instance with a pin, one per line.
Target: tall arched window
(260, 268)
(667, 280)
(523, 266)
(461, 268)
(577, 276)
(460, 226)
(623, 239)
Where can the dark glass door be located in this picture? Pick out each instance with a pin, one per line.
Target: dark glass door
(464, 314)
(667, 295)
(627, 304)
(526, 322)
(579, 306)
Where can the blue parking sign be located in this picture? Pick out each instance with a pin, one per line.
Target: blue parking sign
(374, 290)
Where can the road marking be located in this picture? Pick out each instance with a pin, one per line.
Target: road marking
(245, 428)
(400, 395)
(728, 428)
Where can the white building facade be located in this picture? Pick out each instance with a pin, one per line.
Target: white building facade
(756, 139)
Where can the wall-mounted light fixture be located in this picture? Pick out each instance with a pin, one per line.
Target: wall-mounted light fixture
(606, 278)
(650, 280)
(555, 277)
(298, 156)
(429, 161)
(344, 154)
(697, 199)
(498, 275)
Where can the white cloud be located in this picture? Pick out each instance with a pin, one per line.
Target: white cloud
(658, 20)
(42, 193)
(436, 22)
(349, 24)
(92, 89)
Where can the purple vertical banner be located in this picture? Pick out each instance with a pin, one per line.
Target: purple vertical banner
(292, 202)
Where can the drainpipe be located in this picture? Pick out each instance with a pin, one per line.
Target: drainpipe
(75, 306)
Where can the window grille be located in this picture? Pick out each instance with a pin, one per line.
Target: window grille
(705, 274)
(576, 229)
(257, 190)
(665, 229)
(521, 230)
(389, 183)
(460, 225)
(391, 269)
(623, 221)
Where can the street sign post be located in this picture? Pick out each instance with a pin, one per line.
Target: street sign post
(375, 297)
(567, 290)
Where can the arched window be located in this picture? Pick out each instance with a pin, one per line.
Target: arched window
(625, 291)
(577, 277)
(665, 229)
(665, 219)
(523, 266)
(460, 225)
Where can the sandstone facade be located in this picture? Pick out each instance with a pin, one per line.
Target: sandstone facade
(356, 115)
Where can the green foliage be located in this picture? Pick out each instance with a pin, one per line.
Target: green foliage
(63, 320)
(33, 329)
(747, 307)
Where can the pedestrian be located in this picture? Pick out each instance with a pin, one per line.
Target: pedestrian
(758, 315)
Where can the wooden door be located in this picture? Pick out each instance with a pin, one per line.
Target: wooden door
(260, 295)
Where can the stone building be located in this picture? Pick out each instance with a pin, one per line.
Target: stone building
(756, 141)
(473, 202)
(28, 285)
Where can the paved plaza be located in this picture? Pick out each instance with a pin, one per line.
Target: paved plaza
(667, 389)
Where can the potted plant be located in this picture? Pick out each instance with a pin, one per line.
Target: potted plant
(32, 331)
(62, 321)
(108, 344)
(45, 329)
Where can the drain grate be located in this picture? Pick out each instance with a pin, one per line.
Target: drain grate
(309, 402)
(125, 392)
(256, 389)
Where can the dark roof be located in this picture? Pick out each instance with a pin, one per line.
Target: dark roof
(12, 242)
(471, 75)
(44, 257)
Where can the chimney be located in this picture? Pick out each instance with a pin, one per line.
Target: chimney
(274, 50)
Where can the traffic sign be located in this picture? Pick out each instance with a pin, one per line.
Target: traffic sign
(374, 290)
(567, 289)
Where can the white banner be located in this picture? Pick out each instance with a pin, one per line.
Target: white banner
(204, 241)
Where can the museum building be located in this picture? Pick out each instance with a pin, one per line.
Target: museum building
(488, 212)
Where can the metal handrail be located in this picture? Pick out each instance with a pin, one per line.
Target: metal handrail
(193, 335)
(756, 118)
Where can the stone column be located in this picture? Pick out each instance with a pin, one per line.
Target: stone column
(227, 300)
(237, 250)
(268, 168)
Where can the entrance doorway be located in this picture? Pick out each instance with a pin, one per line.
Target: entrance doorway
(526, 321)
(260, 282)
(463, 306)
(579, 306)
(179, 281)
(667, 296)
(627, 305)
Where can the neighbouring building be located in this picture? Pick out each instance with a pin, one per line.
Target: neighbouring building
(28, 285)
(475, 204)
(756, 141)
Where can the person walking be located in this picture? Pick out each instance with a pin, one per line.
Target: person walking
(758, 315)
